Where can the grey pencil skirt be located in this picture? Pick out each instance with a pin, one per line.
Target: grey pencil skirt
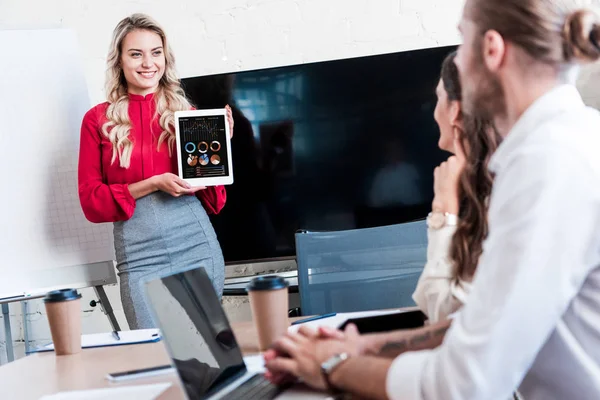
(165, 235)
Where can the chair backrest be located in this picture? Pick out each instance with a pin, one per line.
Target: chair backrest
(360, 269)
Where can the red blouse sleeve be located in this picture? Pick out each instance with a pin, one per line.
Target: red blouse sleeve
(100, 202)
(213, 198)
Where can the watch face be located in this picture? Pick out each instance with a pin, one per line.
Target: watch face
(328, 364)
(333, 362)
(436, 220)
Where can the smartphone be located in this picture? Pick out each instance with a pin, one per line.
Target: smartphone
(387, 322)
(139, 373)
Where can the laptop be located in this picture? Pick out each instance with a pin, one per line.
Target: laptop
(201, 344)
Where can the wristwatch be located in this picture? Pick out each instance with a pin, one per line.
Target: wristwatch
(437, 219)
(329, 366)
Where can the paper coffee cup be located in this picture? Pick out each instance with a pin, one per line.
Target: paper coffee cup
(64, 315)
(269, 303)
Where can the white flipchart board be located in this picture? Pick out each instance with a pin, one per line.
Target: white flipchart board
(45, 240)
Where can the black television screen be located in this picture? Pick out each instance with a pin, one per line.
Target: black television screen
(323, 146)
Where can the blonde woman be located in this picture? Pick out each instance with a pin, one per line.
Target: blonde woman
(127, 169)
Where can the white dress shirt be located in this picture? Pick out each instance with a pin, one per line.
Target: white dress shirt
(439, 293)
(533, 315)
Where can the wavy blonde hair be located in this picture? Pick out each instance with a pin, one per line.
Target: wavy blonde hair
(169, 96)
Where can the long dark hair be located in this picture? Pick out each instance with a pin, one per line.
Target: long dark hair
(479, 139)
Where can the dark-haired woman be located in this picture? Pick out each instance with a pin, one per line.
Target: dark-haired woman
(457, 223)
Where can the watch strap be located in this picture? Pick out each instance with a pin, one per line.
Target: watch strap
(438, 220)
(451, 219)
(329, 366)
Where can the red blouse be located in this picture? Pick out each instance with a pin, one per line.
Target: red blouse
(103, 187)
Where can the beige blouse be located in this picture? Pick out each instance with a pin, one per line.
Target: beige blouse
(438, 293)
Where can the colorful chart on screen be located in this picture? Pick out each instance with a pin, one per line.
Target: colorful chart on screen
(203, 147)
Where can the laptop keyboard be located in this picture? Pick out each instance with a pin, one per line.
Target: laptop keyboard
(257, 387)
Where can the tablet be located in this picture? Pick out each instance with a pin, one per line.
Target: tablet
(204, 147)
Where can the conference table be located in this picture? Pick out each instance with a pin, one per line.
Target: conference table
(42, 374)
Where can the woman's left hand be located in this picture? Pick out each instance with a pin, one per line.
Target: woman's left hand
(229, 120)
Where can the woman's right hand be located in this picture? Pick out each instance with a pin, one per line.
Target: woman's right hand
(174, 185)
(446, 182)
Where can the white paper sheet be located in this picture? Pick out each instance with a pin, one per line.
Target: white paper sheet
(107, 339)
(255, 363)
(137, 392)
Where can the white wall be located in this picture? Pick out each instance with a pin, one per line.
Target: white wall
(211, 36)
(215, 36)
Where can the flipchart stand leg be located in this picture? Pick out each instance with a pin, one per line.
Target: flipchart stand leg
(106, 307)
(10, 355)
(25, 311)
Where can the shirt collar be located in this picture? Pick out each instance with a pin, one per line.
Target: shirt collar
(139, 97)
(560, 99)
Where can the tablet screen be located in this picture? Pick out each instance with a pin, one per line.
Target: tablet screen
(203, 146)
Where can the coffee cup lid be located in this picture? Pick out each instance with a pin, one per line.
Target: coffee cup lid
(272, 282)
(61, 295)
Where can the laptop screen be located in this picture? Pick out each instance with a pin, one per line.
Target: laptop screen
(196, 331)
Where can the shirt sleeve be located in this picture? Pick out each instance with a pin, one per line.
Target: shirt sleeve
(439, 293)
(534, 261)
(100, 202)
(213, 198)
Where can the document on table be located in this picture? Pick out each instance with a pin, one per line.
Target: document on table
(137, 392)
(107, 339)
